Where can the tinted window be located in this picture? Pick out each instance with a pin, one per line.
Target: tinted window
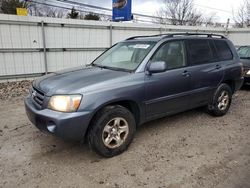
(173, 53)
(199, 51)
(223, 50)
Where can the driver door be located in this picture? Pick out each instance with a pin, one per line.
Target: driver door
(167, 92)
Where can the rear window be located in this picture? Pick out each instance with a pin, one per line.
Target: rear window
(223, 50)
(200, 51)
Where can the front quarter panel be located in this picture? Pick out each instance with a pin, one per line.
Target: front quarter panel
(129, 88)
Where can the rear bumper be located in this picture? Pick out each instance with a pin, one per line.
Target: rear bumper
(69, 126)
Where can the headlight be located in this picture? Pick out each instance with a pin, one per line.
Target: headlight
(65, 103)
(248, 72)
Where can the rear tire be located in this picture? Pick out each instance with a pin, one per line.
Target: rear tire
(221, 101)
(112, 131)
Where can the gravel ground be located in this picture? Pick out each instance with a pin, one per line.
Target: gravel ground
(191, 149)
(8, 90)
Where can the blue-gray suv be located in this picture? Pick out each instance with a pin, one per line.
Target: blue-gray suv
(135, 81)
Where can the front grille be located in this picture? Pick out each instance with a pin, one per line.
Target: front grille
(37, 96)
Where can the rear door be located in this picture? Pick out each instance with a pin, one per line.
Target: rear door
(206, 70)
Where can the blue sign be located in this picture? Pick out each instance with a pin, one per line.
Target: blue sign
(122, 10)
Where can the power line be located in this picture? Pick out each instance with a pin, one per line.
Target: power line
(68, 8)
(100, 8)
(135, 14)
(83, 4)
(221, 10)
(96, 7)
(62, 7)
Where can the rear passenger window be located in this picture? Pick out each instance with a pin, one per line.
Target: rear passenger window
(223, 50)
(199, 51)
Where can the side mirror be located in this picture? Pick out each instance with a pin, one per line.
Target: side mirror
(157, 67)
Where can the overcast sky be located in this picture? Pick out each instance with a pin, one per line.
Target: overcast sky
(222, 8)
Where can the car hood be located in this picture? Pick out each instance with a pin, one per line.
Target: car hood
(246, 62)
(76, 80)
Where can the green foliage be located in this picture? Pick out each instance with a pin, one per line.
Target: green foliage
(9, 6)
(91, 16)
(73, 14)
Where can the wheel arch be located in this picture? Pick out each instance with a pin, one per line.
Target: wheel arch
(131, 105)
(231, 84)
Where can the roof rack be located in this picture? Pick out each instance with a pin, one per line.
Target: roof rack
(145, 36)
(209, 35)
(168, 35)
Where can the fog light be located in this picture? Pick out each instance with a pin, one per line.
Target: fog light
(51, 128)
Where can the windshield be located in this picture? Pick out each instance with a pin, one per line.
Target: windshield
(125, 55)
(244, 52)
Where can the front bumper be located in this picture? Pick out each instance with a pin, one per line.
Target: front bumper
(69, 126)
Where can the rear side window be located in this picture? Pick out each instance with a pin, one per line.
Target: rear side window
(223, 50)
(200, 51)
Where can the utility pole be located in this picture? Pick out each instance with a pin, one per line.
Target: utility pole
(227, 26)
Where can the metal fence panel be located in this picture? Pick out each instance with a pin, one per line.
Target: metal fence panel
(21, 63)
(240, 37)
(63, 60)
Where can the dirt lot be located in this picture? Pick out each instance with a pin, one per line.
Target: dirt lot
(191, 149)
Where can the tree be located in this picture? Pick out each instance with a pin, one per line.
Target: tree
(73, 14)
(43, 10)
(9, 6)
(179, 12)
(210, 20)
(91, 16)
(1, 7)
(242, 17)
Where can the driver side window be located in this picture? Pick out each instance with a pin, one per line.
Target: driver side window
(173, 53)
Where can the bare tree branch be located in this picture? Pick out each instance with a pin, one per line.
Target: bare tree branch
(179, 12)
(45, 11)
(242, 17)
(210, 20)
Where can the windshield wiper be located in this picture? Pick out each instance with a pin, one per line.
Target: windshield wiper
(244, 57)
(111, 68)
(120, 69)
(101, 66)
(96, 65)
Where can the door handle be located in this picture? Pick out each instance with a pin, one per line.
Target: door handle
(218, 66)
(186, 73)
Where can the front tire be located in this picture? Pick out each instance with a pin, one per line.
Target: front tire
(112, 131)
(221, 101)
